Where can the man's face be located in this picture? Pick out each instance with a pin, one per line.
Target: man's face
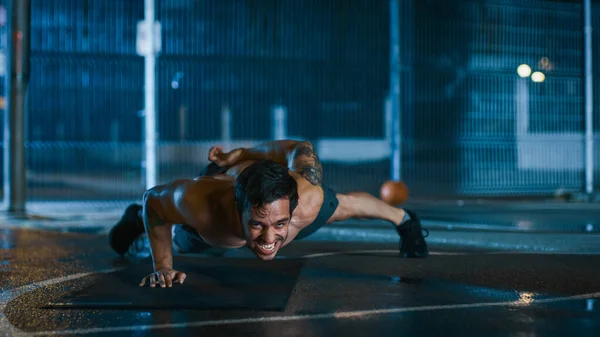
(267, 228)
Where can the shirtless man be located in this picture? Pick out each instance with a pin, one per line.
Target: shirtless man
(262, 197)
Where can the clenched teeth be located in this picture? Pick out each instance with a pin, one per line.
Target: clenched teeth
(267, 247)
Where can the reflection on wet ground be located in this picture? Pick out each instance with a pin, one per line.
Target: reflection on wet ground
(369, 292)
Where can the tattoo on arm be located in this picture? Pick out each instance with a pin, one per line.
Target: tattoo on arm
(308, 162)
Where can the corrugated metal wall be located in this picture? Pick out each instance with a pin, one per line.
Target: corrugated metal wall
(471, 126)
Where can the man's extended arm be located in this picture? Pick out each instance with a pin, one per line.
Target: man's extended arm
(277, 151)
(299, 156)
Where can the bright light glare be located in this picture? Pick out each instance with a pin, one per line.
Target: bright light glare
(524, 70)
(525, 298)
(538, 77)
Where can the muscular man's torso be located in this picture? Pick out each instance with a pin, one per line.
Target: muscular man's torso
(207, 204)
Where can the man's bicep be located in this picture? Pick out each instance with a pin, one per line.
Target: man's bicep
(152, 218)
(150, 215)
(306, 162)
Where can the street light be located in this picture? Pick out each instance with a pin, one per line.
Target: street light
(538, 77)
(524, 70)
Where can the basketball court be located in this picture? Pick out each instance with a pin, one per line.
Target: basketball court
(72, 284)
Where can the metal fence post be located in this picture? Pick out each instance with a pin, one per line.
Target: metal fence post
(589, 104)
(395, 137)
(17, 80)
(150, 128)
(279, 123)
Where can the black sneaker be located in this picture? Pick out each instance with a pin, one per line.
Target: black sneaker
(127, 230)
(412, 240)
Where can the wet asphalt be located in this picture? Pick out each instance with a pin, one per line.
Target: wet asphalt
(361, 289)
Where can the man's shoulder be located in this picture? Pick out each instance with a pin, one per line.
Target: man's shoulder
(204, 199)
(200, 189)
(208, 184)
(301, 178)
(305, 186)
(309, 204)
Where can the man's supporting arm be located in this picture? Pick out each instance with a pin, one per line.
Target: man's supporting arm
(159, 234)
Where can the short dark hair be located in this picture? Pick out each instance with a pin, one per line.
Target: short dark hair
(263, 183)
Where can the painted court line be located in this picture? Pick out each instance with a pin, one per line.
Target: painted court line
(333, 315)
(384, 251)
(9, 294)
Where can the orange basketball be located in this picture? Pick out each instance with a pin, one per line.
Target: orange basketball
(394, 192)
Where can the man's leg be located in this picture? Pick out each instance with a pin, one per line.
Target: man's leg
(361, 205)
(127, 230)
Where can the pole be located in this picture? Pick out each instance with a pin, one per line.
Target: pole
(395, 139)
(17, 80)
(279, 123)
(225, 124)
(150, 137)
(589, 107)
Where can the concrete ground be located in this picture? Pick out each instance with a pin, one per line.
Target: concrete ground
(496, 269)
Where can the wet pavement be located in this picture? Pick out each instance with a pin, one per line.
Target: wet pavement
(343, 288)
(511, 216)
(533, 226)
(548, 216)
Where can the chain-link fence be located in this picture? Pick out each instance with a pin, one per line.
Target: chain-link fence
(230, 71)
